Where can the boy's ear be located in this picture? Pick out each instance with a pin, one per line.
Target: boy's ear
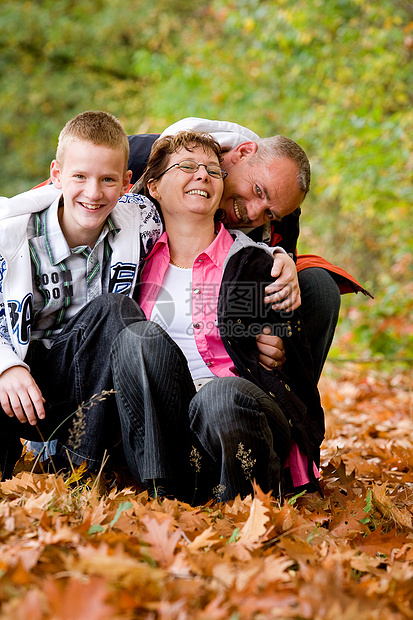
(55, 174)
(243, 151)
(126, 181)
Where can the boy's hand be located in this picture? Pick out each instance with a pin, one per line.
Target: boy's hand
(271, 349)
(20, 395)
(284, 293)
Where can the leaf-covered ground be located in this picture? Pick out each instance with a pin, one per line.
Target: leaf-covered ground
(75, 550)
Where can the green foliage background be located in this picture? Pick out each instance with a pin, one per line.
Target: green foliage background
(334, 75)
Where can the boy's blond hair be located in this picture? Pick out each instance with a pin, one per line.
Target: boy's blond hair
(100, 128)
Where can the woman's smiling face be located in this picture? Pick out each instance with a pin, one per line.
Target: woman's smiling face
(178, 191)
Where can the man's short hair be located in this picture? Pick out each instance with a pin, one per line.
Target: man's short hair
(163, 147)
(278, 147)
(100, 128)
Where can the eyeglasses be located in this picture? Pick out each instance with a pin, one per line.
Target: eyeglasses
(189, 166)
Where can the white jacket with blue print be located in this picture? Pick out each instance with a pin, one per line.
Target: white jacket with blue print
(139, 224)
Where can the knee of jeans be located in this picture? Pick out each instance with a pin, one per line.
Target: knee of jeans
(145, 330)
(110, 303)
(124, 304)
(218, 402)
(107, 300)
(319, 288)
(142, 334)
(219, 391)
(329, 287)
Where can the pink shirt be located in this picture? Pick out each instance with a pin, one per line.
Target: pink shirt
(206, 281)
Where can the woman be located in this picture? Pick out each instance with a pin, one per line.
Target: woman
(201, 289)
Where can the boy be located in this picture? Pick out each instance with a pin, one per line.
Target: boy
(69, 256)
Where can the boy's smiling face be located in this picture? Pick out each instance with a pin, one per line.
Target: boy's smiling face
(92, 178)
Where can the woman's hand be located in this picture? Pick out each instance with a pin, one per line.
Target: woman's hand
(284, 292)
(20, 395)
(271, 349)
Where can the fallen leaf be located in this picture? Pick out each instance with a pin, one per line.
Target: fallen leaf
(207, 538)
(78, 599)
(255, 527)
(161, 540)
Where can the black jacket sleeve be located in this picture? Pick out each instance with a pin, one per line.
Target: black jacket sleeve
(139, 149)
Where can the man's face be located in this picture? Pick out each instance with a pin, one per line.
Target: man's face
(257, 193)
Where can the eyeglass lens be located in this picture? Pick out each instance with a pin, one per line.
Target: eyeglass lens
(192, 166)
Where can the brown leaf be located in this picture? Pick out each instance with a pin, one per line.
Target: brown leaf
(162, 542)
(298, 549)
(348, 514)
(255, 527)
(207, 538)
(388, 509)
(29, 606)
(264, 497)
(284, 518)
(228, 574)
(79, 599)
(105, 562)
(386, 544)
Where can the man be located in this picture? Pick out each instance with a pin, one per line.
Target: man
(267, 181)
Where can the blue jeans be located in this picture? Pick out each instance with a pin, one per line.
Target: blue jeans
(76, 368)
(320, 297)
(162, 418)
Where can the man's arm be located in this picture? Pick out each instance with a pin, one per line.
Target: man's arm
(284, 292)
(139, 149)
(226, 133)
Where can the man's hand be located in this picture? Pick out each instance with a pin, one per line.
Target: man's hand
(284, 293)
(20, 396)
(271, 349)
